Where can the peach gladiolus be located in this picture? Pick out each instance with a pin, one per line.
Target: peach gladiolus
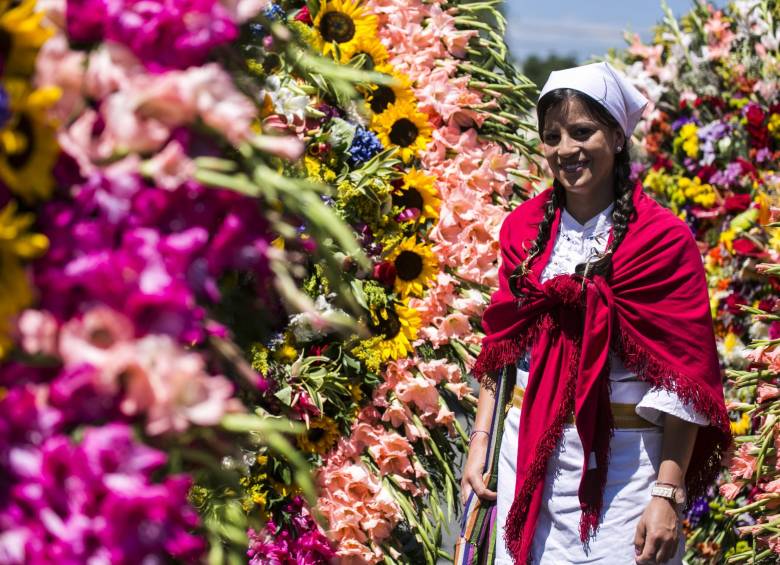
(730, 490)
(743, 464)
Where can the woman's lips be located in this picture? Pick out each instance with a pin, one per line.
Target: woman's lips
(571, 168)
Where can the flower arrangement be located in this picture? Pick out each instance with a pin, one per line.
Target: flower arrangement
(709, 150)
(259, 252)
(424, 166)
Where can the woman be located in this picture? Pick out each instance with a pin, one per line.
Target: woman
(601, 322)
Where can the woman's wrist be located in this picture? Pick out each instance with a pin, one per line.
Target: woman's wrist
(478, 434)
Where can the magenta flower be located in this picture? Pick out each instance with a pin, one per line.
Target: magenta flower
(93, 502)
(300, 542)
(163, 34)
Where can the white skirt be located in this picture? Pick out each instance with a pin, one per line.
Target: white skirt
(633, 467)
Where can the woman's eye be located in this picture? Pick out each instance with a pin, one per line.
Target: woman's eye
(551, 138)
(582, 133)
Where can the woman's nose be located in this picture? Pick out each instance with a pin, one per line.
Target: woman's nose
(567, 146)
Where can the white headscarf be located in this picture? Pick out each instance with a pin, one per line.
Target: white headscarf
(607, 86)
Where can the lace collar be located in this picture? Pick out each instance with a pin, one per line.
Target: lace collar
(597, 225)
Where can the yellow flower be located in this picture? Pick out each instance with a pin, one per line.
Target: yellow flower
(341, 24)
(774, 240)
(317, 170)
(418, 191)
(741, 426)
(727, 238)
(415, 265)
(764, 212)
(774, 125)
(688, 139)
(16, 245)
(380, 97)
(28, 148)
(397, 328)
(729, 342)
(323, 433)
(702, 194)
(22, 36)
(355, 392)
(366, 45)
(403, 126)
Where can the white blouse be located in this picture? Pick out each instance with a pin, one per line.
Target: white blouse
(576, 243)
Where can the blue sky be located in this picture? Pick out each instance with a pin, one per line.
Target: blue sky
(580, 27)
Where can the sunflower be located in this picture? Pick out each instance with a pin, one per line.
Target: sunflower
(404, 126)
(419, 192)
(366, 45)
(344, 23)
(28, 148)
(21, 36)
(415, 265)
(320, 437)
(397, 328)
(16, 245)
(381, 96)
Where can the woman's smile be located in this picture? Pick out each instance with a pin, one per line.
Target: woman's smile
(575, 167)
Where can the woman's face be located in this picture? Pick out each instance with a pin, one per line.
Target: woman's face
(579, 149)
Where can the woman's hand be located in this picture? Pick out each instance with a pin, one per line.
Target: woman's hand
(472, 473)
(657, 533)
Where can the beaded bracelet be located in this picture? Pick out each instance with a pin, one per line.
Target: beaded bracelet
(475, 432)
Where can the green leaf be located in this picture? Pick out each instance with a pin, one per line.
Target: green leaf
(341, 134)
(285, 395)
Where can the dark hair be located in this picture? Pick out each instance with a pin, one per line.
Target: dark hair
(624, 204)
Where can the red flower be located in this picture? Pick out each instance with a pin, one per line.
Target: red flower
(304, 16)
(733, 301)
(737, 203)
(384, 272)
(759, 134)
(706, 172)
(744, 246)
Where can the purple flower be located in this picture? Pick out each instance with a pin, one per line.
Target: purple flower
(85, 20)
(699, 509)
(727, 178)
(300, 541)
(169, 34)
(681, 121)
(94, 501)
(163, 34)
(5, 110)
(171, 248)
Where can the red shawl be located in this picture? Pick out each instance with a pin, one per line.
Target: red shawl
(653, 311)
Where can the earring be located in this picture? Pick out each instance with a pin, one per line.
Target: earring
(619, 148)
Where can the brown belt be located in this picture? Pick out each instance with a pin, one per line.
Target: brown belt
(624, 415)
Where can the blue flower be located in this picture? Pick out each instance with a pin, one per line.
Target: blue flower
(274, 12)
(364, 146)
(5, 110)
(699, 509)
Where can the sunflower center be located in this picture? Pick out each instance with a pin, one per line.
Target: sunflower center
(381, 98)
(403, 132)
(389, 327)
(409, 198)
(337, 27)
(408, 265)
(316, 435)
(20, 159)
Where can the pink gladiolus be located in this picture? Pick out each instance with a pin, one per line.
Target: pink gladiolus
(742, 463)
(38, 332)
(767, 391)
(173, 388)
(731, 490)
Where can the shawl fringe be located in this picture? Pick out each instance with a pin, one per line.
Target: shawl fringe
(536, 472)
(498, 354)
(705, 466)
